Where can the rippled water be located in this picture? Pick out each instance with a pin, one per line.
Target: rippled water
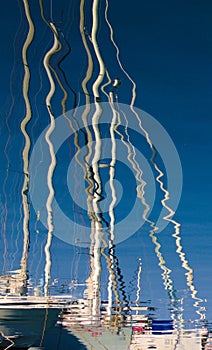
(102, 202)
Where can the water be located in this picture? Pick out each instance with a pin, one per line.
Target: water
(101, 200)
(61, 339)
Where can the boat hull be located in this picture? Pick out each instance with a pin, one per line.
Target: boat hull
(24, 324)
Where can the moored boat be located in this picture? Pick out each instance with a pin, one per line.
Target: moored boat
(24, 320)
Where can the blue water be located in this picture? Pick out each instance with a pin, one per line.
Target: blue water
(159, 244)
(60, 339)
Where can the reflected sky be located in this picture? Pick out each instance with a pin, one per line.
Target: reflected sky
(166, 50)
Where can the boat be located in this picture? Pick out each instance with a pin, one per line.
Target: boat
(25, 320)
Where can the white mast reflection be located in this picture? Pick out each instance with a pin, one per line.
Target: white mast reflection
(112, 278)
(94, 185)
(50, 221)
(94, 190)
(97, 232)
(25, 154)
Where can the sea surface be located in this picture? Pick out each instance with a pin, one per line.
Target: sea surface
(58, 338)
(105, 155)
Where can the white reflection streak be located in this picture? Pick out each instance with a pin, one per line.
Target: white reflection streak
(138, 284)
(8, 339)
(97, 156)
(189, 271)
(101, 75)
(89, 58)
(112, 277)
(25, 154)
(52, 165)
(90, 188)
(95, 262)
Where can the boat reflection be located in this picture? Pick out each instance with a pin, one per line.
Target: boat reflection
(133, 329)
(27, 311)
(25, 320)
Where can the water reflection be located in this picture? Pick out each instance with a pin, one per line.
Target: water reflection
(106, 142)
